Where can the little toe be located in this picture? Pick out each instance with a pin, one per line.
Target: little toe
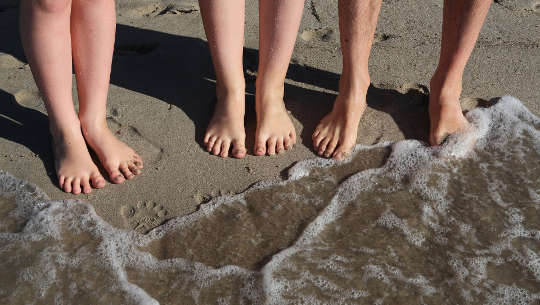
(76, 186)
(292, 135)
(239, 149)
(125, 171)
(97, 180)
(271, 146)
(137, 160)
(225, 145)
(317, 141)
(67, 184)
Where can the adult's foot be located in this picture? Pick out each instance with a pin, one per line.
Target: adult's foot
(275, 130)
(445, 113)
(335, 136)
(74, 167)
(226, 129)
(119, 160)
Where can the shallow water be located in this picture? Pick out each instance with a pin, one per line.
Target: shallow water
(399, 223)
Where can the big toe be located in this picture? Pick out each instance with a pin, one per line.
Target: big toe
(97, 180)
(239, 149)
(260, 147)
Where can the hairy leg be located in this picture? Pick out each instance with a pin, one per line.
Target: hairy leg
(92, 30)
(279, 21)
(336, 134)
(46, 39)
(462, 22)
(224, 26)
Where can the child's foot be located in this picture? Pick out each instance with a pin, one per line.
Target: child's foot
(119, 160)
(336, 134)
(75, 169)
(445, 114)
(275, 130)
(226, 129)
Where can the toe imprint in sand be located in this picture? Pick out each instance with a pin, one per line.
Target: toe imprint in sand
(144, 216)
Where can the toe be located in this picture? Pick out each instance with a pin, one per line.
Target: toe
(86, 188)
(61, 180)
(125, 171)
(331, 147)
(317, 141)
(292, 136)
(322, 146)
(133, 168)
(115, 175)
(279, 145)
(225, 145)
(271, 146)
(217, 147)
(260, 146)
(76, 186)
(67, 184)
(97, 180)
(287, 143)
(239, 149)
(211, 142)
(137, 160)
(206, 138)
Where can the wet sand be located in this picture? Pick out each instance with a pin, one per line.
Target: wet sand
(162, 92)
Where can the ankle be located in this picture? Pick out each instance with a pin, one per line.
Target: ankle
(91, 125)
(235, 92)
(354, 86)
(64, 128)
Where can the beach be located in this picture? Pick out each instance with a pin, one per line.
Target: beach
(205, 226)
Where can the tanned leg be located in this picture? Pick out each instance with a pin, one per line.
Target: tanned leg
(462, 21)
(224, 25)
(92, 30)
(279, 21)
(45, 33)
(336, 134)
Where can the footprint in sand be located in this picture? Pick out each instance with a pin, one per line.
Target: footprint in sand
(536, 7)
(10, 62)
(325, 34)
(28, 98)
(150, 151)
(184, 7)
(144, 216)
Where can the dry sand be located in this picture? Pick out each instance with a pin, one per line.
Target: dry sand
(162, 92)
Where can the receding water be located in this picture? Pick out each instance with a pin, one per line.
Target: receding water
(399, 223)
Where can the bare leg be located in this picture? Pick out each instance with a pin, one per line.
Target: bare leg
(336, 134)
(279, 21)
(224, 25)
(92, 31)
(47, 43)
(462, 21)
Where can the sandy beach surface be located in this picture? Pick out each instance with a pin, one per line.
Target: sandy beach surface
(162, 94)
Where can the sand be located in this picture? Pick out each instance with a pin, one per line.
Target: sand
(162, 93)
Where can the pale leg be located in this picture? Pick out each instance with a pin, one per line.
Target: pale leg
(224, 25)
(336, 134)
(45, 33)
(279, 21)
(92, 30)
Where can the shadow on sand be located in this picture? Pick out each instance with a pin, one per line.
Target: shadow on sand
(177, 70)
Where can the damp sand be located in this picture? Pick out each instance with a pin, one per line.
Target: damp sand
(397, 223)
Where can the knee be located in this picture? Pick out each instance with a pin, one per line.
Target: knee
(52, 6)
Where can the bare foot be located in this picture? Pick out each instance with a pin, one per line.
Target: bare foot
(336, 134)
(226, 129)
(74, 167)
(119, 160)
(275, 130)
(445, 114)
